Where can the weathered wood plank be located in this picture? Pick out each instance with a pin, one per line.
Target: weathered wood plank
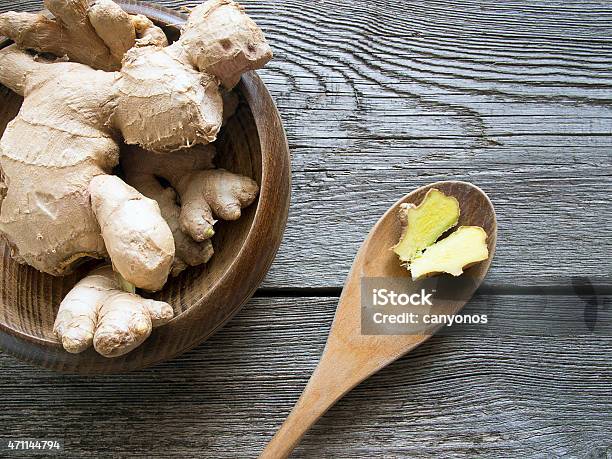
(383, 97)
(508, 392)
(382, 112)
(551, 215)
(372, 111)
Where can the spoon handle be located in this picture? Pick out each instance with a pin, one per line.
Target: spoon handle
(346, 361)
(301, 418)
(321, 392)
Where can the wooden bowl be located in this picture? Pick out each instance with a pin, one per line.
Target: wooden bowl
(253, 143)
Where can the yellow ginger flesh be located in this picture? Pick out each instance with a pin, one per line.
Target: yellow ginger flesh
(463, 248)
(425, 223)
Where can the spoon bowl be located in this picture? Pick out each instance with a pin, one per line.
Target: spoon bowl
(349, 356)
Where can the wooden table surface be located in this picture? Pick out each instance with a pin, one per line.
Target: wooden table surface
(378, 98)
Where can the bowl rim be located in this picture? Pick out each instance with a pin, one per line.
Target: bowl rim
(257, 252)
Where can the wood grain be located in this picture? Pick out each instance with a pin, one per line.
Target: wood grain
(551, 216)
(509, 390)
(388, 97)
(380, 98)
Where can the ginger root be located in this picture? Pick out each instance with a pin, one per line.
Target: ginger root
(423, 225)
(96, 311)
(135, 234)
(68, 131)
(201, 190)
(98, 35)
(58, 201)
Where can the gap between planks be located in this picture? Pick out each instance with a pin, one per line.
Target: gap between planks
(581, 289)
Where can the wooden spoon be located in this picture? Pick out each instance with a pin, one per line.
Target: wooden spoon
(350, 357)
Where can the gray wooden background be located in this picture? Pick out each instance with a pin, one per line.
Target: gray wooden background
(378, 98)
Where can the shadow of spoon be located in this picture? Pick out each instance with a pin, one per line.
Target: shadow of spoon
(349, 356)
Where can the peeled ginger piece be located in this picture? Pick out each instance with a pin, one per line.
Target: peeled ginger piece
(463, 248)
(422, 225)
